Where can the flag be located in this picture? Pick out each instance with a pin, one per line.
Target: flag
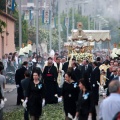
(30, 14)
(46, 16)
(11, 4)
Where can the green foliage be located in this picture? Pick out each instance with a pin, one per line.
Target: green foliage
(24, 29)
(2, 25)
(50, 112)
(43, 36)
(78, 18)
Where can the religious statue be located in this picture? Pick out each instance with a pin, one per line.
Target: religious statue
(79, 34)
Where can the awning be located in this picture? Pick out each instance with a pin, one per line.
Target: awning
(98, 35)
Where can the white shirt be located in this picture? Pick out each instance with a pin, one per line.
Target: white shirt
(74, 68)
(110, 107)
(16, 60)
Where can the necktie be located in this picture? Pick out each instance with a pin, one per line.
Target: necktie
(86, 67)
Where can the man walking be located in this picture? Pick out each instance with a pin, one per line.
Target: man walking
(25, 83)
(18, 77)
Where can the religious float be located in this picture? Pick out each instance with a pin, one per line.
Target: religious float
(81, 44)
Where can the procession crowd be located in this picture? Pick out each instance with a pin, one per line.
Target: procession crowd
(42, 81)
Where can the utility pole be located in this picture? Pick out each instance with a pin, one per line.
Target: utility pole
(50, 33)
(89, 22)
(73, 19)
(37, 24)
(20, 26)
(67, 26)
(94, 24)
(59, 40)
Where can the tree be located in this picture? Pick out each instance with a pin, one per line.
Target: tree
(44, 37)
(2, 26)
(24, 29)
(78, 18)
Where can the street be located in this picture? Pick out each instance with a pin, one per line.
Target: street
(11, 95)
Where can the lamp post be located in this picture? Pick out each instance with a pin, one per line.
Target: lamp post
(67, 25)
(50, 33)
(73, 13)
(59, 39)
(37, 24)
(20, 26)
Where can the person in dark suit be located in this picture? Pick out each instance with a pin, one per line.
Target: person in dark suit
(65, 66)
(25, 83)
(76, 73)
(98, 61)
(109, 76)
(113, 76)
(19, 75)
(86, 69)
(95, 77)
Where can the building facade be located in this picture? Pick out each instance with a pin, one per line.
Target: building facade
(7, 37)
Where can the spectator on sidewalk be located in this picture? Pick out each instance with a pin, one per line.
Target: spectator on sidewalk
(111, 105)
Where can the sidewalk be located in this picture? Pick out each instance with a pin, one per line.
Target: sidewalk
(9, 87)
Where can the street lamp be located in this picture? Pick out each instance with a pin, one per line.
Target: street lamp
(20, 25)
(59, 39)
(37, 24)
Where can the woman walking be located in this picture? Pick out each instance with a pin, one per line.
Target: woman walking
(70, 93)
(85, 105)
(35, 96)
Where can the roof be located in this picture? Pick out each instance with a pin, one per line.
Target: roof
(98, 35)
(7, 15)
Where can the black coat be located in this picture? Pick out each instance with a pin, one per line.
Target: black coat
(25, 83)
(111, 77)
(95, 76)
(70, 93)
(19, 75)
(99, 63)
(50, 81)
(86, 72)
(65, 66)
(108, 76)
(85, 105)
(35, 94)
(76, 75)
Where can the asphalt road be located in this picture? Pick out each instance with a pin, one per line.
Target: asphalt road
(11, 100)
